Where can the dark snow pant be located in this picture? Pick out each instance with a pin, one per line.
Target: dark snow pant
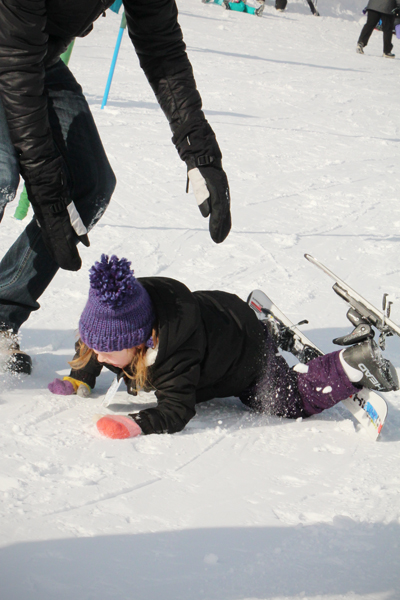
(280, 4)
(27, 268)
(387, 28)
(283, 392)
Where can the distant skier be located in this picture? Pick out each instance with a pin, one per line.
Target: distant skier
(189, 347)
(252, 7)
(379, 10)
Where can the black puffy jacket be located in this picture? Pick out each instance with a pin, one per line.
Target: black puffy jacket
(33, 34)
(383, 6)
(211, 345)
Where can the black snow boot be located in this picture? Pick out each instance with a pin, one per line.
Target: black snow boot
(280, 5)
(12, 358)
(374, 371)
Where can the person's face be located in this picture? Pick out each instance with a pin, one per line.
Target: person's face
(120, 358)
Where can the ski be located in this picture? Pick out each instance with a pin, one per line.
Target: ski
(361, 311)
(367, 406)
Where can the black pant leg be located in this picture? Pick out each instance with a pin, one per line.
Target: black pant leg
(372, 20)
(387, 28)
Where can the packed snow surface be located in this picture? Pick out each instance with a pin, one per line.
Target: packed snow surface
(236, 506)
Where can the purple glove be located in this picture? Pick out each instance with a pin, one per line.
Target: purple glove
(397, 28)
(61, 387)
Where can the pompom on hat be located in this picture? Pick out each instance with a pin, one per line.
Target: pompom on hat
(119, 313)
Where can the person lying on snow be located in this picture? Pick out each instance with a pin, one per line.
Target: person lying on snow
(252, 7)
(189, 347)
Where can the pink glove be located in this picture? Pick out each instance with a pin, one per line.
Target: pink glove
(118, 427)
(61, 387)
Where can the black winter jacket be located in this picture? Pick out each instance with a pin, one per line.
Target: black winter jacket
(211, 345)
(33, 34)
(383, 6)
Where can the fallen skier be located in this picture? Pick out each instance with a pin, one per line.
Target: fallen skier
(189, 347)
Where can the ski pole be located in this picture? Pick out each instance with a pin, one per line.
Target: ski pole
(23, 203)
(114, 59)
(67, 54)
(116, 6)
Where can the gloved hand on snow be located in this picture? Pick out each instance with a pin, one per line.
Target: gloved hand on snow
(118, 427)
(68, 386)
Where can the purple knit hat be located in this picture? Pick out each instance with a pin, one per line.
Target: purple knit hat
(119, 313)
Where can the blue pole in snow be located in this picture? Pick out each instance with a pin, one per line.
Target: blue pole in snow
(114, 60)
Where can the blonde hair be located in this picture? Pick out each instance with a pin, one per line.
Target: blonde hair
(137, 367)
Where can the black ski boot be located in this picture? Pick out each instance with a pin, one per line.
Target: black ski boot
(378, 373)
(12, 358)
(286, 339)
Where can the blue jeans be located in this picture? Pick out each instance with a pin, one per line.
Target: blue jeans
(27, 268)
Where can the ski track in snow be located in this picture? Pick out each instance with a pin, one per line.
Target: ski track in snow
(237, 506)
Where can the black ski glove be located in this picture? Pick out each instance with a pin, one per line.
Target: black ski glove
(211, 190)
(61, 228)
(198, 147)
(60, 224)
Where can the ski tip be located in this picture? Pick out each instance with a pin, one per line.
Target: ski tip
(308, 257)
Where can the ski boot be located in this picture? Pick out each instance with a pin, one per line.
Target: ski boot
(287, 340)
(12, 358)
(369, 368)
(388, 55)
(259, 11)
(360, 48)
(225, 4)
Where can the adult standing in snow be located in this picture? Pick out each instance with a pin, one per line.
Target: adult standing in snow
(47, 135)
(379, 10)
(190, 347)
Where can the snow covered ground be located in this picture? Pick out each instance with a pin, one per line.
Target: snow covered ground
(237, 506)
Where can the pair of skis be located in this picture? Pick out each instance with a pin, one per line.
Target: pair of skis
(367, 406)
